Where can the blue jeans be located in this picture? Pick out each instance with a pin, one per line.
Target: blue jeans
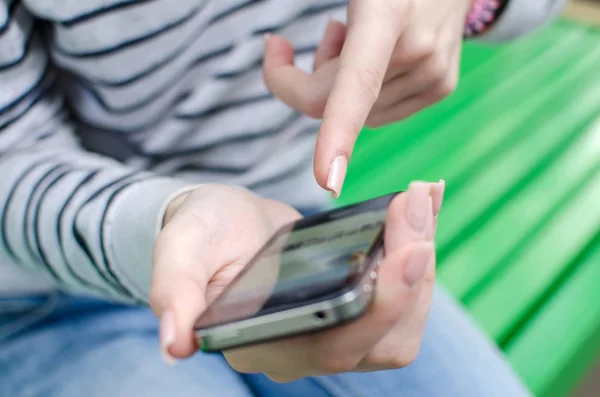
(63, 346)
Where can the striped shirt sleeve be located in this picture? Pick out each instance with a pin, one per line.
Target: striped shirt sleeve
(87, 221)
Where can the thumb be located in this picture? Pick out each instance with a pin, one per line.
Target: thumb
(179, 281)
(298, 89)
(183, 301)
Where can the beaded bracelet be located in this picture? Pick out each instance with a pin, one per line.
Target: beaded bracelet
(482, 15)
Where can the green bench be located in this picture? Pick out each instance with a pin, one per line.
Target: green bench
(519, 237)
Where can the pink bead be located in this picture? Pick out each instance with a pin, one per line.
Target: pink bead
(480, 16)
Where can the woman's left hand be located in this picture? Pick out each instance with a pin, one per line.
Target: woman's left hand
(393, 59)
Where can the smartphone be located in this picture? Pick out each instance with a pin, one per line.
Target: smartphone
(313, 274)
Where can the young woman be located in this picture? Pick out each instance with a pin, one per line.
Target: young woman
(124, 127)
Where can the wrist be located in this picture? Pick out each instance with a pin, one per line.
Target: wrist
(132, 223)
(174, 206)
(177, 200)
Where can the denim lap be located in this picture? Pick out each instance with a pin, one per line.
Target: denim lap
(91, 348)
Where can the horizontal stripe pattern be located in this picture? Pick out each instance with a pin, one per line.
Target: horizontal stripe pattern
(107, 95)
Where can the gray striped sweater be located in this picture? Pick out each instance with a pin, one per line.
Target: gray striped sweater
(108, 108)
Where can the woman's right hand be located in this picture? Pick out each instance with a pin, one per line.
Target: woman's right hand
(210, 233)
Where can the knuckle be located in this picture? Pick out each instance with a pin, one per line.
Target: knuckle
(449, 84)
(404, 359)
(421, 49)
(444, 88)
(426, 47)
(394, 355)
(408, 356)
(438, 68)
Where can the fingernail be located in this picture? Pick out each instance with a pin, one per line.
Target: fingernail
(167, 336)
(437, 196)
(337, 174)
(419, 206)
(417, 263)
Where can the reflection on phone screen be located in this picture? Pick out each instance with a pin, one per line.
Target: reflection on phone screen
(301, 263)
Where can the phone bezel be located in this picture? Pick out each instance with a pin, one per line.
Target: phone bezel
(302, 320)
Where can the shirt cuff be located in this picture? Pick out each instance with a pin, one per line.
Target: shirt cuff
(132, 224)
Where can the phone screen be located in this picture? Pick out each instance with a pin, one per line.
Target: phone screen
(309, 260)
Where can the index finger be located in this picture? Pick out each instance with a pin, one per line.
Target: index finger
(372, 35)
